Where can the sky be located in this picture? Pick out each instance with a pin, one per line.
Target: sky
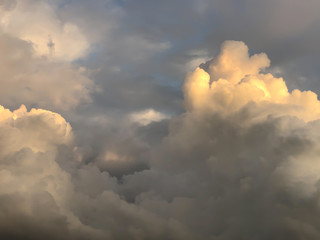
(168, 120)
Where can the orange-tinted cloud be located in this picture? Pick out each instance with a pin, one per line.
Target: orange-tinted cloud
(235, 79)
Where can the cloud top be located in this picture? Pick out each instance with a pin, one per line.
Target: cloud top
(235, 79)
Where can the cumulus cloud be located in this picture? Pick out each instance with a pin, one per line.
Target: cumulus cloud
(34, 188)
(43, 28)
(234, 79)
(240, 163)
(80, 202)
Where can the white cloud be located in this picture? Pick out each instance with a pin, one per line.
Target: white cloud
(147, 116)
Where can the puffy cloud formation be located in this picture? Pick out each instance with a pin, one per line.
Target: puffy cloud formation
(45, 193)
(33, 186)
(234, 79)
(240, 163)
(51, 129)
(36, 21)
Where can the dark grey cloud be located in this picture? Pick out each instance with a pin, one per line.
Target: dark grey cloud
(224, 184)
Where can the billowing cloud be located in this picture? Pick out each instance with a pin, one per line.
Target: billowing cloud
(234, 79)
(34, 189)
(38, 190)
(240, 163)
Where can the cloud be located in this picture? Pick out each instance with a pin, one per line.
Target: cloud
(43, 121)
(240, 163)
(34, 81)
(37, 47)
(120, 31)
(34, 188)
(147, 116)
(38, 23)
(234, 79)
(39, 191)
